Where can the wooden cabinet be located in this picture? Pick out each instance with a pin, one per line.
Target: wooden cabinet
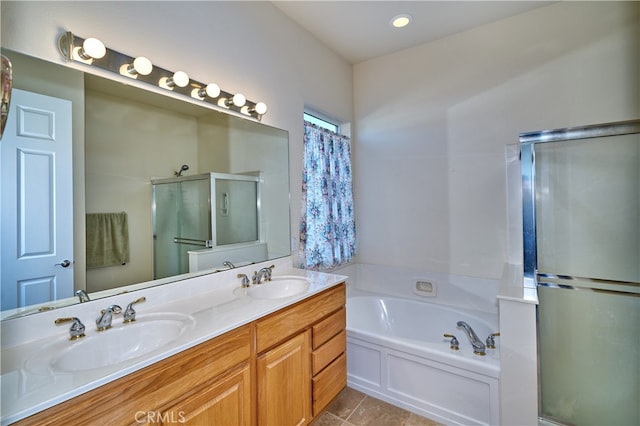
(283, 374)
(141, 397)
(311, 332)
(226, 401)
(279, 370)
(328, 359)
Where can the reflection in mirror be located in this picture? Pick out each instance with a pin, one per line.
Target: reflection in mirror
(217, 211)
(124, 139)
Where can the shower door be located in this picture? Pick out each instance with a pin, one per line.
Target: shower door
(236, 209)
(581, 211)
(181, 211)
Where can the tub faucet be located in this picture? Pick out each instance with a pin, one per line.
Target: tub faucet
(106, 315)
(228, 264)
(478, 347)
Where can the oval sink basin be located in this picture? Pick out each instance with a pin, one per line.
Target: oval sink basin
(278, 287)
(120, 343)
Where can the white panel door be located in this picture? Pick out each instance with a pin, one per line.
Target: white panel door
(37, 201)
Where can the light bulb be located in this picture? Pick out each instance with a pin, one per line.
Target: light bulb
(141, 65)
(401, 21)
(211, 90)
(260, 108)
(239, 99)
(92, 48)
(180, 79)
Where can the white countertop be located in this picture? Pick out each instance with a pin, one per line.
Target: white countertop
(208, 299)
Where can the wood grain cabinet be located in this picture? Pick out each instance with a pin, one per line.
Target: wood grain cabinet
(280, 370)
(313, 329)
(328, 359)
(150, 395)
(225, 401)
(284, 394)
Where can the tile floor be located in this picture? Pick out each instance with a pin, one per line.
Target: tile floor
(354, 408)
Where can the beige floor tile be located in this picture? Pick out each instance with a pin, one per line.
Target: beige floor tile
(328, 419)
(346, 401)
(375, 412)
(354, 408)
(416, 420)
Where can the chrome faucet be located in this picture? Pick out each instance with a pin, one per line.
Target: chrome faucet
(478, 347)
(77, 328)
(83, 296)
(129, 313)
(106, 315)
(228, 264)
(264, 272)
(491, 341)
(245, 280)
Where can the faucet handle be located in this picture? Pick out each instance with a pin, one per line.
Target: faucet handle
(114, 309)
(455, 345)
(245, 280)
(491, 341)
(269, 271)
(130, 313)
(77, 328)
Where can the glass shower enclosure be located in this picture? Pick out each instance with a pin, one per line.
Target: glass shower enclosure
(581, 212)
(209, 210)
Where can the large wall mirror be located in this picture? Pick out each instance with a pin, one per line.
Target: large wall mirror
(161, 178)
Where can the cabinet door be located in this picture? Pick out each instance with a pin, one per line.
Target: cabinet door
(226, 402)
(284, 383)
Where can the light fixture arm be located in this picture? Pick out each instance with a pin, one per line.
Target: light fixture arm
(65, 45)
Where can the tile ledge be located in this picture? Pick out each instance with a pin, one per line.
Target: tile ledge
(512, 286)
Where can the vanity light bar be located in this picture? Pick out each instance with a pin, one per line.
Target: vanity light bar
(91, 51)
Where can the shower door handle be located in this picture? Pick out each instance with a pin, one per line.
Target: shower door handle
(191, 241)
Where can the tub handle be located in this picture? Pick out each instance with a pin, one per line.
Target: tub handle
(455, 345)
(491, 341)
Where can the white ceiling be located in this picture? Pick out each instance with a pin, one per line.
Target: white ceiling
(360, 30)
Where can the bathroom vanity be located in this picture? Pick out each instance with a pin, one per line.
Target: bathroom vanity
(281, 366)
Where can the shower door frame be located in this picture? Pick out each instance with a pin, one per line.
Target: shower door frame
(532, 279)
(528, 142)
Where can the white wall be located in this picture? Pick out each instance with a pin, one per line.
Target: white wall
(248, 47)
(432, 123)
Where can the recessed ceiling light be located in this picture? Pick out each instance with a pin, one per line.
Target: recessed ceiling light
(402, 20)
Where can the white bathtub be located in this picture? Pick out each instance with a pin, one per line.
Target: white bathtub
(396, 352)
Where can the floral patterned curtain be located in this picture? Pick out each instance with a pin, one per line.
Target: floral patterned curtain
(327, 226)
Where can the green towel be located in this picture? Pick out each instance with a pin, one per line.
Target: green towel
(107, 239)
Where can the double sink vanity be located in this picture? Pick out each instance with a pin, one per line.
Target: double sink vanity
(206, 350)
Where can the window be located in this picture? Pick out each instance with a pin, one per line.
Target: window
(327, 226)
(321, 122)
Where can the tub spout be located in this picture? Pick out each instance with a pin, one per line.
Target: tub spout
(478, 347)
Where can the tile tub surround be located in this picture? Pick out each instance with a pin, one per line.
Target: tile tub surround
(354, 408)
(209, 299)
(456, 291)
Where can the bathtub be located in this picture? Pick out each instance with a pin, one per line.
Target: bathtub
(396, 352)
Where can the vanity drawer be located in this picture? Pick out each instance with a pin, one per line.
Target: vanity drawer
(326, 353)
(283, 324)
(329, 383)
(329, 327)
